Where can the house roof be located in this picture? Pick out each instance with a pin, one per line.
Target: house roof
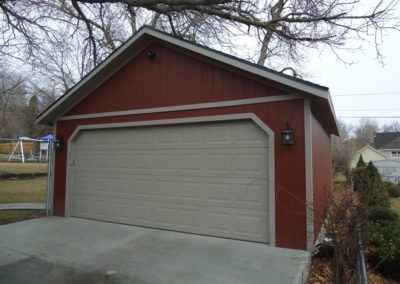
(387, 140)
(369, 147)
(319, 94)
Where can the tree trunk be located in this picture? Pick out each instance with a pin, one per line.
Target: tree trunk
(264, 48)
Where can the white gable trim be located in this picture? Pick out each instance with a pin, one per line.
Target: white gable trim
(238, 64)
(372, 149)
(90, 75)
(185, 107)
(196, 49)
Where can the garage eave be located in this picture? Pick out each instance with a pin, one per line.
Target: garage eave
(137, 42)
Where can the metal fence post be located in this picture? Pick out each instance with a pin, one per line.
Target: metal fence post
(50, 175)
(362, 274)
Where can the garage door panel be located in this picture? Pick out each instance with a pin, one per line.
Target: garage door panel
(188, 220)
(225, 163)
(242, 197)
(206, 178)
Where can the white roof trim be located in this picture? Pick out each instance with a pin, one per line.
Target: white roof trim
(199, 50)
(238, 64)
(372, 149)
(218, 104)
(90, 75)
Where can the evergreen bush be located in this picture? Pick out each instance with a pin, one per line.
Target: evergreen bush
(392, 189)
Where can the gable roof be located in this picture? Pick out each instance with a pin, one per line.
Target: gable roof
(387, 140)
(369, 147)
(122, 55)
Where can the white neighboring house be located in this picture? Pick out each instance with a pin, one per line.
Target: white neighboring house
(385, 155)
(389, 170)
(369, 154)
(389, 144)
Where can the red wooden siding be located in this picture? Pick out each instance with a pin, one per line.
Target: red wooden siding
(171, 79)
(174, 78)
(322, 175)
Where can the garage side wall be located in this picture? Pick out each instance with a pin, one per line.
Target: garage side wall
(176, 79)
(322, 173)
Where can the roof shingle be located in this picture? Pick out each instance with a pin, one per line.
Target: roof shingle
(387, 140)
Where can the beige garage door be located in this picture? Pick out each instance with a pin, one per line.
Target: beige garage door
(208, 178)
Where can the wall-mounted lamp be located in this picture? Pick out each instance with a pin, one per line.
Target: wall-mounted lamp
(59, 144)
(288, 135)
(151, 54)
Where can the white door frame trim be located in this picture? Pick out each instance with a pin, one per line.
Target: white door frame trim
(218, 104)
(216, 118)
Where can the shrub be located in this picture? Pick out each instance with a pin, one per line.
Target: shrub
(384, 249)
(361, 163)
(367, 181)
(382, 215)
(359, 178)
(392, 189)
(384, 232)
(345, 218)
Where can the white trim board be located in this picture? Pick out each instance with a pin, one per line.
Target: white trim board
(305, 87)
(218, 104)
(230, 117)
(309, 175)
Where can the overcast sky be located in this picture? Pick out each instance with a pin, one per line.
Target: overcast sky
(381, 84)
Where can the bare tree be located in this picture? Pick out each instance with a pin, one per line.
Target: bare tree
(20, 102)
(12, 97)
(343, 147)
(391, 127)
(365, 132)
(284, 27)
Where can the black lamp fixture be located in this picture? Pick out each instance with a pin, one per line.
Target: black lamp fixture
(151, 54)
(288, 135)
(59, 144)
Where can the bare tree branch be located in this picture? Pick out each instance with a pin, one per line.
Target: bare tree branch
(284, 28)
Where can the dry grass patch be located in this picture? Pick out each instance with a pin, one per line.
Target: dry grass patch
(23, 168)
(25, 190)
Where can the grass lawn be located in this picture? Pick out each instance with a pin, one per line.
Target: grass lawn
(24, 190)
(20, 168)
(11, 216)
(396, 204)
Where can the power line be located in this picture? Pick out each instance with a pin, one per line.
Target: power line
(369, 116)
(394, 93)
(369, 109)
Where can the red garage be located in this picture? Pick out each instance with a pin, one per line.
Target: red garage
(172, 135)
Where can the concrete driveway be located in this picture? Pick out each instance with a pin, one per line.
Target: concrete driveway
(71, 250)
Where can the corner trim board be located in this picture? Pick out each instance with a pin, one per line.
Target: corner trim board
(309, 175)
(241, 116)
(218, 104)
